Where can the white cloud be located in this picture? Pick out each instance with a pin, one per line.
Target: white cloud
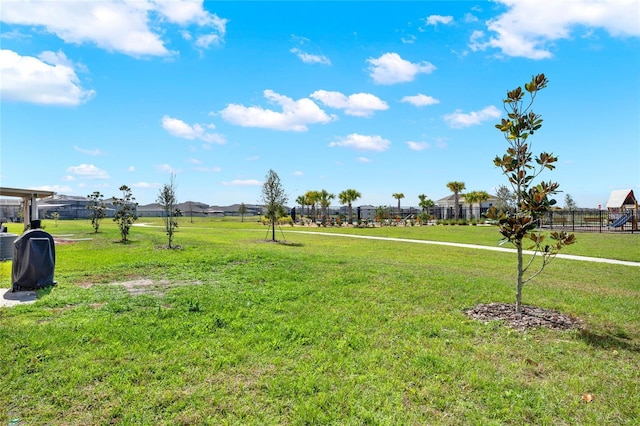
(184, 12)
(206, 40)
(245, 182)
(458, 119)
(208, 169)
(88, 171)
(308, 58)
(439, 19)
(528, 30)
(441, 143)
(470, 18)
(92, 152)
(295, 115)
(146, 185)
(358, 104)
(131, 169)
(420, 100)
(363, 160)
(49, 79)
(362, 142)
(180, 129)
(130, 27)
(390, 68)
(253, 158)
(408, 39)
(298, 173)
(166, 168)
(418, 146)
(60, 189)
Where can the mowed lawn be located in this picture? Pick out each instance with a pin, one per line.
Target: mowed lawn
(231, 329)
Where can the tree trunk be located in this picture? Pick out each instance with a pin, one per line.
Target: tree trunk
(273, 229)
(519, 283)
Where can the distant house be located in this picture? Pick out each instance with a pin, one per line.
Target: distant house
(446, 206)
(232, 210)
(10, 209)
(70, 207)
(365, 212)
(150, 210)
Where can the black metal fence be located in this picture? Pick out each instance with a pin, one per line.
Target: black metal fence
(580, 220)
(591, 220)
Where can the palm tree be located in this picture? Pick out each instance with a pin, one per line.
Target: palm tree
(398, 196)
(422, 198)
(482, 197)
(348, 196)
(302, 201)
(456, 188)
(324, 199)
(312, 198)
(471, 197)
(425, 203)
(476, 197)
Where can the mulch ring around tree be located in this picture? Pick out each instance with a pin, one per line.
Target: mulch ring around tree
(530, 317)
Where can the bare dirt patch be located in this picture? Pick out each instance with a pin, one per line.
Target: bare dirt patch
(146, 286)
(530, 317)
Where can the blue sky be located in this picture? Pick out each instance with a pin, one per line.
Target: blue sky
(381, 97)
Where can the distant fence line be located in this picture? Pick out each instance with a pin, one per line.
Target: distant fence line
(584, 220)
(581, 220)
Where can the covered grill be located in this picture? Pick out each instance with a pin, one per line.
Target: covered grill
(34, 259)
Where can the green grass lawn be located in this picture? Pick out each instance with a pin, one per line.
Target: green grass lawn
(231, 329)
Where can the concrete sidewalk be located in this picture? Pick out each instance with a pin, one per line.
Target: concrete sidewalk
(472, 246)
(9, 298)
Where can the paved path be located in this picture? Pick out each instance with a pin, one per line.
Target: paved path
(473, 246)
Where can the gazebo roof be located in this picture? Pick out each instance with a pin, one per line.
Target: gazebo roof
(24, 193)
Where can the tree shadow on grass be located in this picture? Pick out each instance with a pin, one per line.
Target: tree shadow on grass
(618, 340)
(284, 243)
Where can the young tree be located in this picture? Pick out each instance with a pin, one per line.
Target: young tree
(456, 188)
(382, 213)
(274, 199)
(506, 199)
(348, 196)
(569, 204)
(97, 209)
(168, 201)
(125, 214)
(189, 205)
(242, 209)
(532, 200)
(398, 196)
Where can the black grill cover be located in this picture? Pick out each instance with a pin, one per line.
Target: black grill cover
(34, 259)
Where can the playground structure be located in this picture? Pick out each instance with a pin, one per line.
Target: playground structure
(622, 208)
